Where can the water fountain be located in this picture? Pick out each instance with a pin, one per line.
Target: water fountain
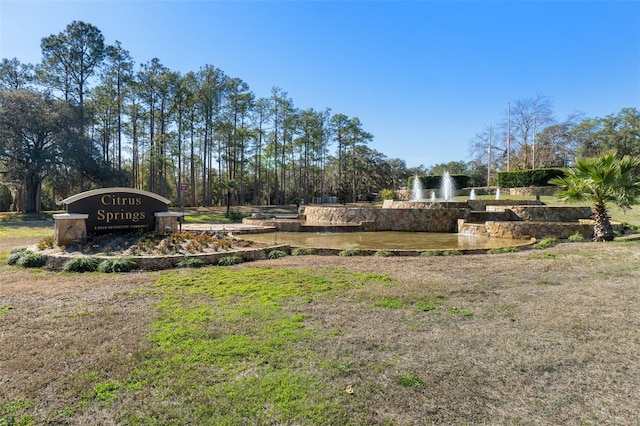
(417, 192)
(447, 187)
(433, 196)
(497, 193)
(472, 194)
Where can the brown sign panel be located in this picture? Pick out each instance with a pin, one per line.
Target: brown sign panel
(117, 210)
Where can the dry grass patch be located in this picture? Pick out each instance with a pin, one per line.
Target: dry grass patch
(551, 337)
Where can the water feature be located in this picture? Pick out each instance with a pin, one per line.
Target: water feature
(388, 240)
(472, 194)
(417, 192)
(447, 187)
(433, 196)
(497, 193)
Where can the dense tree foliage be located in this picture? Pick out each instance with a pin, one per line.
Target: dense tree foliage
(153, 128)
(88, 116)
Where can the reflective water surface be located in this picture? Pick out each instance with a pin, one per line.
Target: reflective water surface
(384, 240)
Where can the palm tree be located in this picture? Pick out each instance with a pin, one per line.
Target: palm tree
(601, 180)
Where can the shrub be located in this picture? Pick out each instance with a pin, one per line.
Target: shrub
(47, 242)
(441, 253)
(236, 215)
(576, 237)
(13, 258)
(546, 243)
(384, 253)
(387, 194)
(503, 250)
(276, 254)
(30, 259)
(431, 253)
(229, 260)
(81, 264)
(190, 262)
(20, 249)
(303, 251)
(15, 254)
(349, 252)
(118, 264)
(535, 177)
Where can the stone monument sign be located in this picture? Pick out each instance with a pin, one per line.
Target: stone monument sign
(113, 210)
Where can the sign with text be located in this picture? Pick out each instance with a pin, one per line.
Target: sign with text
(117, 210)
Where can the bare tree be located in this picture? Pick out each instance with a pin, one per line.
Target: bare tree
(524, 118)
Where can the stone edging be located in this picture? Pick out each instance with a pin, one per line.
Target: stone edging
(157, 263)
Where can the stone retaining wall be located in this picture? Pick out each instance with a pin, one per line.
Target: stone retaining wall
(533, 190)
(156, 263)
(389, 219)
(551, 214)
(539, 230)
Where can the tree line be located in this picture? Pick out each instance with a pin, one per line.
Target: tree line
(87, 117)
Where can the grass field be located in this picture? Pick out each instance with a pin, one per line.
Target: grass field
(539, 337)
(546, 337)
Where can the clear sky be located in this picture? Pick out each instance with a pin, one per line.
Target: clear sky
(424, 77)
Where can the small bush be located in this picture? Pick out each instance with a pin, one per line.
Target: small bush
(13, 258)
(15, 254)
(191, 262)
(45, 243)
(387, 194)
(118, 264)
(276, 254)
(22, 256)
(349, 252)
(503, 250)
(576, 237)
(229, 260)
(384, 253)
(20, 249)
(546, 243)
(81, 264)
(441, 253)
(30, 259)
(304, 251)
(236, 215)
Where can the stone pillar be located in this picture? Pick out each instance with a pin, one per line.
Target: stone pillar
(70, 228)
(168, 221)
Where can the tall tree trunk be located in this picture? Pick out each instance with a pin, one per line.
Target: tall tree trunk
(32, 194)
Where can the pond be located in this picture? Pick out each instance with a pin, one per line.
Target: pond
(383, 240)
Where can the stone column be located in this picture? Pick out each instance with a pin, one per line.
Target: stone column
(70, 228)
(167, 221)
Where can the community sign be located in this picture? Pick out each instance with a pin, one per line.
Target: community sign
(117, 210)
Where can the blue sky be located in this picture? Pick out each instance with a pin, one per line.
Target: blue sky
(424, 77)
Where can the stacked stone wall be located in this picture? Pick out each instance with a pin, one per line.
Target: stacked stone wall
(551, 214)
(533, 190)
(539, 230)
(389, 219)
